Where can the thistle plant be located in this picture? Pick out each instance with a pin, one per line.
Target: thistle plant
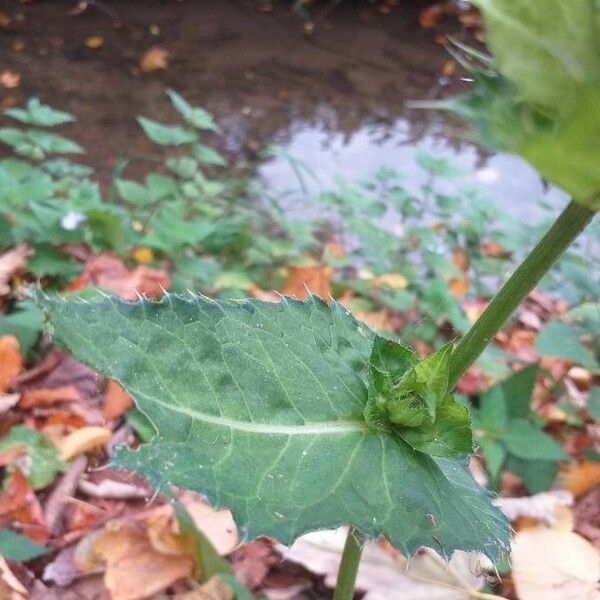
(297, 416)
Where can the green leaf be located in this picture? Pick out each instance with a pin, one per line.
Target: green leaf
(492, 414)
(527, 441)
(25, 321)
(547, 49)
(194, 115)
(517, 391)
(131, 191)
(167, 135)
(208, 156)
(38, 114)
(593, 405)
(18, 547)
(260, 406)
(563, 341)
(495, 454)
(43, 463)
(538, 475)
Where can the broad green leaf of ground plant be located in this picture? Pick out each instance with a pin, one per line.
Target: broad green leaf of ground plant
(18, 547)
(42, 462)
(510, 436)
(261, 407)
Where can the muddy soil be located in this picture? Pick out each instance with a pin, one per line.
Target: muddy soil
(258, 73)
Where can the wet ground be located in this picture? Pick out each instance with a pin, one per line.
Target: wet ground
(335, 99)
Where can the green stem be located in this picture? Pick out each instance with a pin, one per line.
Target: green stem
(564, 230)
(344, 589)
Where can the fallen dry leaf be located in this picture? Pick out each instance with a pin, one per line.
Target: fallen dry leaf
(48, 396)
(109, 488)
(540, 507)
(134, 568)
(460, 285)
(214, 589)
(7, 401)
(10, 587)
(83, 440)
(304, 280)
(94, 41)
(11, 361)
(11, 263)
(19, 503)
(116, 400)
(579, 477)
(552, 564)
(396, 281)
(111, 273)
(154, 59)
(10, 79)
(426, 576)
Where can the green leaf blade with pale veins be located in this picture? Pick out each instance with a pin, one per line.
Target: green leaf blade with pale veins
(260, 406)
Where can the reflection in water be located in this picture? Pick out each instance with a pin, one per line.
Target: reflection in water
(507, 180)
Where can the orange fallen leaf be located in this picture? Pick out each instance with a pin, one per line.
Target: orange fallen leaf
(494, 249)
(130, 559)
(111, 273)
(11, 263)
(10, 79)
(143, 255)
(19, 502)
(579, 477)
(264, 295)
(11, 361)
(48, 396)
(116, 400)
(396, 281)
(303, 280)
(460, 285)
(449, 68)
(83, 440)
(154, 59)
(94, 41)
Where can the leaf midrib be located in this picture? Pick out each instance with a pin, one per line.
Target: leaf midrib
(315, 428)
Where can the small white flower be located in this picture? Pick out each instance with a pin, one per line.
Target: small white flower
(487, 175)
(72, 220)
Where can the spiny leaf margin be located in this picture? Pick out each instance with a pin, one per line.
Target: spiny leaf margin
(286, 484)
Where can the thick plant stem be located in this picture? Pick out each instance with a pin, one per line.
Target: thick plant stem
(564, 230)
(344, 589)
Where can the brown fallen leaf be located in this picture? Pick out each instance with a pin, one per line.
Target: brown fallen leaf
(154, 59)
(10, 587)
(553, 564)
(49, 396)
(10, 79)
(11, 361)
(304, 280)
(134, 568)
(214, 589)
(83, 440)
(116, 400)
(19, 503)
(12, 263)
(111, 273)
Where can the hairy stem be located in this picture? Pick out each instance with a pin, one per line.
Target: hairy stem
(344, 589)
(564, 230)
